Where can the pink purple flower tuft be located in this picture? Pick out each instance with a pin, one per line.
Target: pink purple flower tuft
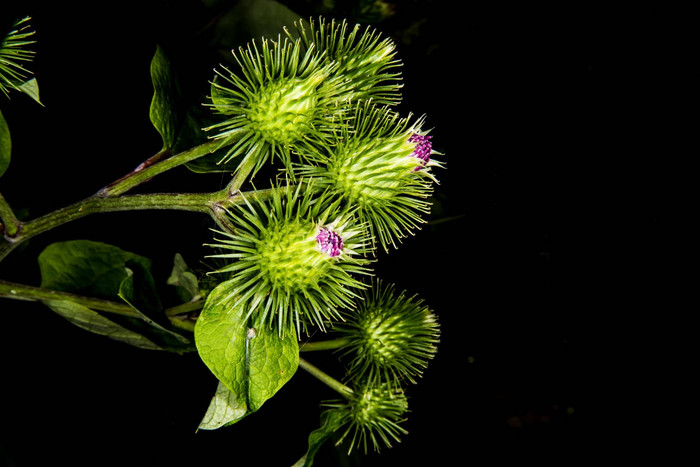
(423, 149)
(330, 242)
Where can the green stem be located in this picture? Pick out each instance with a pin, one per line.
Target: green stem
(37, 294)
(333, 383)
(185, 308)
(331, 344)
(241, 175)
(213, 204)
(150, 169)
(9, 225)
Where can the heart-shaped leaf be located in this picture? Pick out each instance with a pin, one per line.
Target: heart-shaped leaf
(253, 364)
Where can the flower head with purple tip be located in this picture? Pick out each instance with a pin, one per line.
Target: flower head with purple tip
(329, 242)
(423, 150)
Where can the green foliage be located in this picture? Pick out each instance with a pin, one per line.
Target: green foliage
(224, 409)
(104, 271)
(164, 112)
(331, 422)
(94, 322)
(252, 363)
(5, 145)
(185, 281)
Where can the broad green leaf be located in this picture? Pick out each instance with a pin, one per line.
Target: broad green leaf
(92, 321)
(104, 271)
(31, 88)
(252, 364)
(5, 145)
(184, 281)
(90, 268)
(224, 409)
(164, 109)
(331, 420)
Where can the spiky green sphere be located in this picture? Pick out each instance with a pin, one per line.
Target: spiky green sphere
(365, 59)
(294, 90)
(371, 416)
(280, 95)
(380, 164)
(391, 337)
(293, 260)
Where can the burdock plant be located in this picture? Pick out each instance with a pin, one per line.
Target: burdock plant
(294, 258)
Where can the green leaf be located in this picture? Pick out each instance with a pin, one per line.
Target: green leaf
(331, 420)
(184, 281)
(104, 271)
(224, 409)
(164, 109)
(139, 294)
(92, 321)
(31, 88)
(91, 268)
(5, 145)
(252, 364)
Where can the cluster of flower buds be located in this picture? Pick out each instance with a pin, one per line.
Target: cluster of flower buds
(321, 100)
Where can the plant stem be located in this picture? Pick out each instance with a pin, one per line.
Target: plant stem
(37, 294)
(9, 225)
(187, 307)
(331, 344)
(333, 383)
(149, 169)
(214, 204)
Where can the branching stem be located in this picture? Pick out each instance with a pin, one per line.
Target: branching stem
(332, 344)
(333, 383)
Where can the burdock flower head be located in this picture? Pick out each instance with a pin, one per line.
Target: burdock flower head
(390, 336)
(371, 415)
(382, 165)
(293, 260)
(366, 60)
(281, 95)
(292, 91)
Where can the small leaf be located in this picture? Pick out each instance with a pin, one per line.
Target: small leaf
(92, 321)
(5, 145)
(139, 294)
(331, 420)
(225, 409)
(184, 281)
(31, 88)
(164, 111)
(252, 364)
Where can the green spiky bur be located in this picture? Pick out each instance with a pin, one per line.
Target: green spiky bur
(279, 95)
(281, 271)
(391, 337)
(365, 59)
(283, 111)
(370, 164)
(14, 53)
(371, 416)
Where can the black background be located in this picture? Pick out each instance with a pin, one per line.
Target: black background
(532, 109)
